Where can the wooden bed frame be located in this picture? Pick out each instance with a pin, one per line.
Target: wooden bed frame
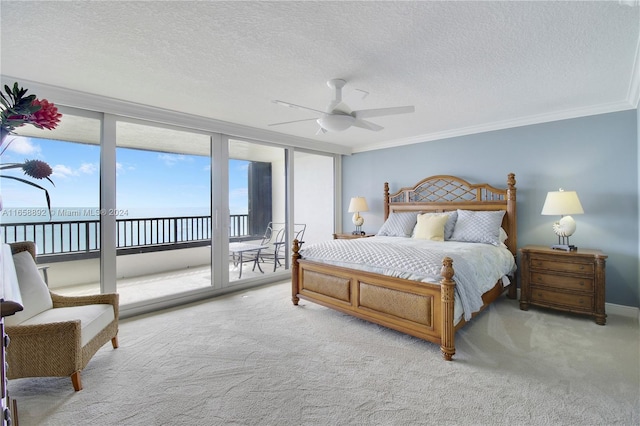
(420, 309)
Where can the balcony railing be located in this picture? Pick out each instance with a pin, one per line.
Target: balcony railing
(80, 239)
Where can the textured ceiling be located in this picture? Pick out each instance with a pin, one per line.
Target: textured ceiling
(466, 66)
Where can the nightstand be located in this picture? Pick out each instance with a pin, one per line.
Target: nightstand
(572, 281)
(350, 236)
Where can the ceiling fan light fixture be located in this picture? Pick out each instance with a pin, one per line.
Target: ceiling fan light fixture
(335, 122)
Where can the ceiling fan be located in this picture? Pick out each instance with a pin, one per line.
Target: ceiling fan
(339, 117)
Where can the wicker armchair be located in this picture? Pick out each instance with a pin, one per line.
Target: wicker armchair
(55, 349)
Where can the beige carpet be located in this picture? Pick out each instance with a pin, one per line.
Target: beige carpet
(252, 358)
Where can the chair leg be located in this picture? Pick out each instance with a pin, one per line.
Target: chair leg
(76, 380)
(114, 342)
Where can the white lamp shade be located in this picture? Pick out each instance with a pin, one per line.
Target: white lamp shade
(561, 203)
(358, 204)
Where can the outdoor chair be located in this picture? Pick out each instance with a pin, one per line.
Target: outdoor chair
(276, 242)
(54, 335)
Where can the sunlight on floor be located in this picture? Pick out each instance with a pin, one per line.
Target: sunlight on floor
(147, 287)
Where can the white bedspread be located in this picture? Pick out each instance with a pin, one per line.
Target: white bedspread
(477, 266)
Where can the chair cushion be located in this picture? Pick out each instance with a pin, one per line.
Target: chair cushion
(93, 318)
(34, 291)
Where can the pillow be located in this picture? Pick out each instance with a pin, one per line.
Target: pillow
(430, 226)
(34, 291)
(398, 224)
(478, 226)
(450, 225)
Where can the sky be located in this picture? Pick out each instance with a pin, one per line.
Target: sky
(147, 182)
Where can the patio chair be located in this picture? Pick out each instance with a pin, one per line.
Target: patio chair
(54, 335)
(277, 253)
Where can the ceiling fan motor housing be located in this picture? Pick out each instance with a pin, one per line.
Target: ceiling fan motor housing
(336, 122)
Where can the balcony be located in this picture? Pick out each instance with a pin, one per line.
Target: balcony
(157, 257)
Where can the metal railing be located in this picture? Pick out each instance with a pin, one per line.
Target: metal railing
(78, 239)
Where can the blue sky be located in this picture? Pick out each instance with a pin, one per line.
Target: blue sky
(170, 184)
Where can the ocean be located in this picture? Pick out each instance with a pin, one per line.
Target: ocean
(76, 229)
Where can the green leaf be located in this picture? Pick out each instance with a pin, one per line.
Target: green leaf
(46, 193)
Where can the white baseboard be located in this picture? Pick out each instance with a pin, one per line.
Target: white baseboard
(622, 310)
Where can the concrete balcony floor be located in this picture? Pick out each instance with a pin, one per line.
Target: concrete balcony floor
(143, 288)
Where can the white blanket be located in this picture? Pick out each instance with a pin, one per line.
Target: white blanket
(477, 266)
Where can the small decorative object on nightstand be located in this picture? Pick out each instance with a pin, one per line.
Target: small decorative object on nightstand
(351, 236)
(572, 281)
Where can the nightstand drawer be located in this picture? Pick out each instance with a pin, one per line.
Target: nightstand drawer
(564, 282)
(576, 268)
(574, 301)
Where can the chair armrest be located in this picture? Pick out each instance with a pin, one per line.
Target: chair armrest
(60, 301)
(39, 341)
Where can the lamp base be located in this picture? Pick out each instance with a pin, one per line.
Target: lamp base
(564, 247)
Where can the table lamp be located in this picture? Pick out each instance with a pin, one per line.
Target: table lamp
(357, 205)
(563, 203)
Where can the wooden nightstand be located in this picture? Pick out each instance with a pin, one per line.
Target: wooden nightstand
(572, 281)
(350, 236)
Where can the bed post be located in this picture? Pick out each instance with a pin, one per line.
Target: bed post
(512, 241)
(447, 285)
(294, 272)
(386, 200)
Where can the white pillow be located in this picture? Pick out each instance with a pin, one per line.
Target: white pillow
(430, 226)
(34, 291)
(398, 224)
(478, 226)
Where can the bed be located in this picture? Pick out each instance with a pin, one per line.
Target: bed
(413, 303)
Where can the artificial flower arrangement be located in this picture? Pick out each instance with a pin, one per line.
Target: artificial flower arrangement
(18, 109)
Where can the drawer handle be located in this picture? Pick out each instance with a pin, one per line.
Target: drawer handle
(582, 283)
(581, 267)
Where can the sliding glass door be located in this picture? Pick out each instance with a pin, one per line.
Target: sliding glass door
(163, 214)
(67, 236)
(257, 210)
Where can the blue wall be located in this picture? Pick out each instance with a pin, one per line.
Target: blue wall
(596, 156)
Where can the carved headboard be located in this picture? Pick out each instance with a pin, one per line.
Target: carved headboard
(445, 193)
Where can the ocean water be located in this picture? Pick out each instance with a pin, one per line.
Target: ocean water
(76, 229)
(70, 214)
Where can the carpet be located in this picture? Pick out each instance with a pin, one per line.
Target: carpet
(252, 358)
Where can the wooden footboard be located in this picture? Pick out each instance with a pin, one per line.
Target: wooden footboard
(420, 309)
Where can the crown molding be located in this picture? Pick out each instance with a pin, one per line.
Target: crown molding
(501, 125)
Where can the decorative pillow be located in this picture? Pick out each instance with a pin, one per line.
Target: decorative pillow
(398, 224)
(34, 291)
(430, 226)
(478, 226)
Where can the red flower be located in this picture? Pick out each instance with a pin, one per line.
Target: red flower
(47, 116)
(36, 169)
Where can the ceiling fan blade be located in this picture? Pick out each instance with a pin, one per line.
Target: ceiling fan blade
(364, 124)
(289, 122)
(379, 112)
(294, 106)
